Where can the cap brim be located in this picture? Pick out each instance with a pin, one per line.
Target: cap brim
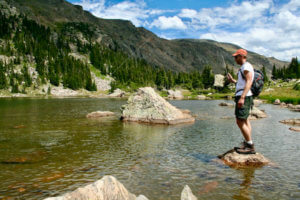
(235, 54)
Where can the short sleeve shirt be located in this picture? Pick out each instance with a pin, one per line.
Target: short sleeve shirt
(241, 82)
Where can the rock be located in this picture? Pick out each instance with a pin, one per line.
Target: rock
(106, 188)
(62, 92)
(208, 187)
(225, 104)
(291, 121)
(234, 159)
(277, 102)
(201, 97)
(117, 93)
(102, 84)
(283, 105)
(294, 108)
(100, 114)
(185, 111)
(175, 94)
(297, 129)
(187, 194)
(147, 106)
(255, 113)
(257, 102)
(219, 80)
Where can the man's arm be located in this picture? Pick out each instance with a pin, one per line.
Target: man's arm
(230, 78)
(248, 78)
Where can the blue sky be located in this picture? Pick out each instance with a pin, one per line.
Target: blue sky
(268, 27)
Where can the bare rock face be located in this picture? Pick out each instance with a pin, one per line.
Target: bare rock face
(291, 121)
(106, 188)
(187, 194)
(175, 94)
(226, 104)
(219, 80)
(100, 114)
(117, 93)
(257, 114)
(234, 159)
(147, 106)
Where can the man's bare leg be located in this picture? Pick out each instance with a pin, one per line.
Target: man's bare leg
(245, 127)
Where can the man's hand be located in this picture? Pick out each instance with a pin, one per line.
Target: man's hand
(241, 102)
(230, 78)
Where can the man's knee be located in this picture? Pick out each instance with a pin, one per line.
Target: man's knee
(240, 121)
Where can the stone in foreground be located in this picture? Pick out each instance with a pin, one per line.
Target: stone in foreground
(146, 106)
(100, 114)
(104, 189)
(187, 194)
(296, 129)
(234, 159)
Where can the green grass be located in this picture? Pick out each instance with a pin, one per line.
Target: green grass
(284, 94)
(97, 72)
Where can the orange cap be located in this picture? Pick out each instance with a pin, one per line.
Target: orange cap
(241, 52)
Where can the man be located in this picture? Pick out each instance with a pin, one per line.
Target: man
(243, 100)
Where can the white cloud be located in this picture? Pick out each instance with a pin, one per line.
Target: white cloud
(168, 23)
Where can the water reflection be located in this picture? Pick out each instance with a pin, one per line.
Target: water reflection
(244, 193)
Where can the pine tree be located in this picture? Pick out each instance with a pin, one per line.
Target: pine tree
(266, 79)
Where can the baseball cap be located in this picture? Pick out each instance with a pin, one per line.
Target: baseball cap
(241, 52)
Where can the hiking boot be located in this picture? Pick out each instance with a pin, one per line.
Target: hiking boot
(242, 145)
(248, 149)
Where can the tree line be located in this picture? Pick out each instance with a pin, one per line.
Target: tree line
(290, 72)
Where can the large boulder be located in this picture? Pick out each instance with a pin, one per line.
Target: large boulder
(175, 94)
(106, 188)
(148, 107)
(257, 114)
(234, 159)
(117, 93)
(100, 114)
(219, 80)
(187, 194)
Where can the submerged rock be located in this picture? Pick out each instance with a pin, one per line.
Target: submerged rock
(234, 159)
(226, 104)
(257, 114)
(175, 94)
(117, 93)
(106, 188)
(100, 114)
(291, 121)
(147, 106)
(187, 194)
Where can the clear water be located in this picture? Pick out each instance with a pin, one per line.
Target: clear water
(48, 147)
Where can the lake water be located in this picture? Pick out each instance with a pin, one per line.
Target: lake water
(48, 147)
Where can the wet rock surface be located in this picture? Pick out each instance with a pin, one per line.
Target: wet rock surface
(106, 188)
(226, 104)
(296, 129)
(236, 160)
(146, 106)
(291, 121)
(257, 113)
(97, 114)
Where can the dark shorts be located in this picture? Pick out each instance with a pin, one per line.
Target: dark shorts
(244, 111)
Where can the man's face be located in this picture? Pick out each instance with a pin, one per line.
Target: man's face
(238, 59)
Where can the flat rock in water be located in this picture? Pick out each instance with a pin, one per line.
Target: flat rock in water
(234, 159)
(296, 129)
(291, 121)
(100, 114)
(257, 114)
(106, 188)
(146, 106)
(225, 104)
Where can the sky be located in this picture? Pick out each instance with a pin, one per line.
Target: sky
(268, 27)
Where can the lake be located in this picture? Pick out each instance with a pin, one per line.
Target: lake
(49, 147)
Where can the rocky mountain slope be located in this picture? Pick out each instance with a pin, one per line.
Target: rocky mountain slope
(177, 55)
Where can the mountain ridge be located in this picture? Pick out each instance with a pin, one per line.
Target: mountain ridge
(176, 55)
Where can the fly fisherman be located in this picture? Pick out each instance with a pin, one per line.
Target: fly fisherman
(243, 100)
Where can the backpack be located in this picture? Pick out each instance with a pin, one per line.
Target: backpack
(258, 82)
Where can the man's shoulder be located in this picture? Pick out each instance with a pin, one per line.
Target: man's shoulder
(247, 66)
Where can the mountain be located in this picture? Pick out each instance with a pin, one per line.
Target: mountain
(177, 55)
